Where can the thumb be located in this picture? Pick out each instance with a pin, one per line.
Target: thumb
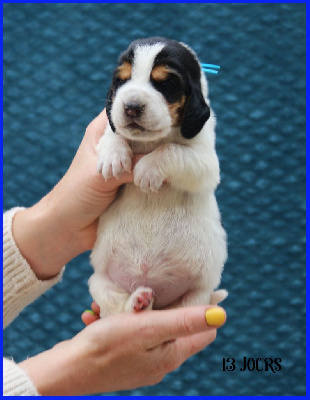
(169, 325)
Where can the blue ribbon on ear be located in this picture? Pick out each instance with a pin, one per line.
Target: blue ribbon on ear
(210, 68)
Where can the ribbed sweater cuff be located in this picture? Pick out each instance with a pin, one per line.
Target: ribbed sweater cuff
(15, 381)
(20, 284)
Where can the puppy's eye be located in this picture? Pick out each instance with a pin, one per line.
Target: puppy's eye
(170, 82)
(122, 78)
(171, 87)
(119, 82)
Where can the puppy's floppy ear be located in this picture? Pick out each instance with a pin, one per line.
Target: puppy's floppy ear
(109, 103)
(196, 113)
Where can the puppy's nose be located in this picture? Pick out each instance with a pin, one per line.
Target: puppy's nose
(133, 109)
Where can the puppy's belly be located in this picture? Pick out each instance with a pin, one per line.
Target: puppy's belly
(168, 286)
(170, 241)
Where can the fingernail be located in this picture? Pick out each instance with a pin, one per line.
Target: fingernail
(215, 316)
(90, 311)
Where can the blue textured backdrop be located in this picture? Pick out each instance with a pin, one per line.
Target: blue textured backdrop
(58, 60)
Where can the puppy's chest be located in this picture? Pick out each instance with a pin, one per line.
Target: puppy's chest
(147, 147)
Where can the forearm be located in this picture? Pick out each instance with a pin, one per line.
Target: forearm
(21, 286)
(70, 369)
(51, 371)
(43, 239)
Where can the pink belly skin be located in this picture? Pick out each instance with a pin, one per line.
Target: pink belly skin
(168, 286)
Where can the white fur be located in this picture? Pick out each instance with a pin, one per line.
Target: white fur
(143, 61)
(163, 232)
(155, 119)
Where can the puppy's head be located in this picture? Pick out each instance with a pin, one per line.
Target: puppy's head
(156, 86)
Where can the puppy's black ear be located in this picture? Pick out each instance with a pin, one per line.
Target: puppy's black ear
(196, 113)
(109, 103)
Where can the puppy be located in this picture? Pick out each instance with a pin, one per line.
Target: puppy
(161, 243)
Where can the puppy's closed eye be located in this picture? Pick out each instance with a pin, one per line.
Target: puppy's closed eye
(171, 81)
(171, 87)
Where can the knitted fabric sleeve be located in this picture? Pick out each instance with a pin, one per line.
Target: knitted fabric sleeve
(20, 285)
(15, 381)
(20, 288)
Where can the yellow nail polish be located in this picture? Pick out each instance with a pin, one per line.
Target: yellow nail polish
(215, 316)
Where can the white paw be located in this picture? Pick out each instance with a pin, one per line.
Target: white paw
(114, 161)
(147, 175)
(218, 296)
(141, 299)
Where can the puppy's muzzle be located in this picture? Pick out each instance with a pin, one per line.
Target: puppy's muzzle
(133, 109)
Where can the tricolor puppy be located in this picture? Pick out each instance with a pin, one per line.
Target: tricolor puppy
(161, 243)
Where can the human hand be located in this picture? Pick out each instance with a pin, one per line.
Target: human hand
(83, 193)
(90, 316)
(124, 351)
(63, 224)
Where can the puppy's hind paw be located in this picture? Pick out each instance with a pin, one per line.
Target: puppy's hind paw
(218, 296)
(141, 299)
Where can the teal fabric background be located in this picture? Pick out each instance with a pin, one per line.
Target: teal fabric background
(58, 62)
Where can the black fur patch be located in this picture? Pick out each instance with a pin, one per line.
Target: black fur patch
(172, 88)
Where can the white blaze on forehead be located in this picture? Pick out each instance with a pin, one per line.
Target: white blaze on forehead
(144, 60)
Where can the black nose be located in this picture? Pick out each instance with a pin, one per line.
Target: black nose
(133, 109)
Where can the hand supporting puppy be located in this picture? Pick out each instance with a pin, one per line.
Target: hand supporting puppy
(64, 223)
(143, 348)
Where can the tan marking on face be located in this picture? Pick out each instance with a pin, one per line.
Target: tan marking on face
(176, 111)
(124, 71)
(160, 73)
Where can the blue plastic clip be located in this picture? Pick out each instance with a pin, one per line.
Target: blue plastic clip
(210, 68)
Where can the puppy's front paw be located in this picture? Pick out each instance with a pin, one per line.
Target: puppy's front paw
(114, 161)
(148, 175)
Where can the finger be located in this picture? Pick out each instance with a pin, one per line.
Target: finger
(136, 158)
(88, 317)
(173, 354)
(187, 346)
(98, 125)
(162, 326)
(95, 308)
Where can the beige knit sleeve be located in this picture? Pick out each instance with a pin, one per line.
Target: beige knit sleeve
(20, 288)
(20, 285)
(16, 382)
